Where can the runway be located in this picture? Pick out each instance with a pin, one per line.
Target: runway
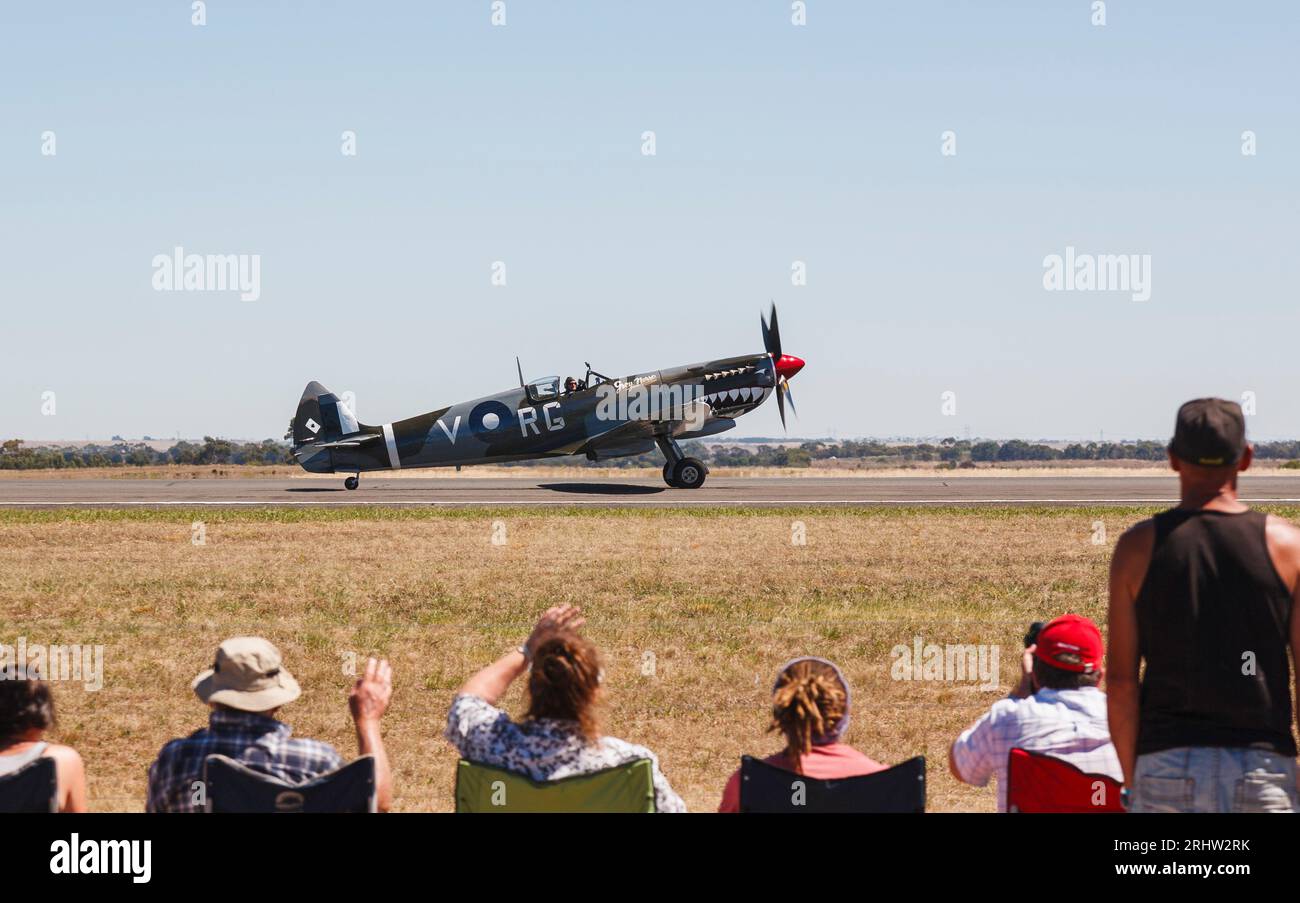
(649, 492)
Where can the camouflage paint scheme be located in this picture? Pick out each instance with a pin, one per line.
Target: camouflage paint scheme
(524, 423)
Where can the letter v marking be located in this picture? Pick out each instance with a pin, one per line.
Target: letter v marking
(455, 428)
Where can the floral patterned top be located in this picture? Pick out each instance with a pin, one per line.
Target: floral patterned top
(545, 748)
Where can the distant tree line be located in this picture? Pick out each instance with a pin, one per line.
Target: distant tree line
(958, 451)
(951, 451)
(14, 455)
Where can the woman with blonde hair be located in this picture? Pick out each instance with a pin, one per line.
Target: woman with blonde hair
(559, 736)
(811, 703)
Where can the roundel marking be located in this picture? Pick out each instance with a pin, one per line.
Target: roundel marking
(487, 418)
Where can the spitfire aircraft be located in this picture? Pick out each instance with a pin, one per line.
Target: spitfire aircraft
(596, 416)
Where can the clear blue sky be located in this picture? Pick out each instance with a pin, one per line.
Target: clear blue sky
(775, 143)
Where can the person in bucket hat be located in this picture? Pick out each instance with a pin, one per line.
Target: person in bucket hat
(247, 676)
(245, 688)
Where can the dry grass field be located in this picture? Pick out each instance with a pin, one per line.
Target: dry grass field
(693, 610)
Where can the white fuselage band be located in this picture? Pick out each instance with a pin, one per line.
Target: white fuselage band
(391, 442)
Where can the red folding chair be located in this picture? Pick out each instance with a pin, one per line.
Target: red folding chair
(1037, 782)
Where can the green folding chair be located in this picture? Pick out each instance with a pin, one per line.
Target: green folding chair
(623, 788)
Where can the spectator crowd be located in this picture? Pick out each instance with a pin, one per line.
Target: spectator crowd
(1190, 709)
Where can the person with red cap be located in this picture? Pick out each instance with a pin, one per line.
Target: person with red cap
(1205, 594)
(1058, 709)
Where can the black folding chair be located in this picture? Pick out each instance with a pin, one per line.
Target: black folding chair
(233, 787)
(32, 788)
(766, 788)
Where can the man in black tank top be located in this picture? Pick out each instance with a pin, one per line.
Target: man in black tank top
(1204, 595)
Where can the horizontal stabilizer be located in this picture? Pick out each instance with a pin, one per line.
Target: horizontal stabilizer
(349, 441)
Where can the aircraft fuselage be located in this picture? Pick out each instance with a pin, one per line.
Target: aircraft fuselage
(524, 423)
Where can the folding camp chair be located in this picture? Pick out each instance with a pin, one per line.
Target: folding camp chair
(233, 787)
(767, 788)
(1037, 782)
(623, 788)
(32, 788)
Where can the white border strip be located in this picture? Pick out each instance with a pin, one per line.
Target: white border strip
(393, 461)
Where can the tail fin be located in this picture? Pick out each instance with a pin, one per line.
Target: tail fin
(321, 417)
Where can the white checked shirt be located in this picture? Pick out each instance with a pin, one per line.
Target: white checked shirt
(1067, 724)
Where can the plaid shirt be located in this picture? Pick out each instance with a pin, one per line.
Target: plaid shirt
(258, 741)
(1067, 724)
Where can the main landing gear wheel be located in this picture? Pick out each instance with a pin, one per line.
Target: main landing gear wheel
(352, 482)
(688, 473)
(668, 474)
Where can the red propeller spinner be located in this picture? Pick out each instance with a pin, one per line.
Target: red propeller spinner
(787, 365)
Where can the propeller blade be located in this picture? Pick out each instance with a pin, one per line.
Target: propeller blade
(789, 396)
(771, 334)
(780, 404)
(775, 332)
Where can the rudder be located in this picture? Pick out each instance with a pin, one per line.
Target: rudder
(321, 417)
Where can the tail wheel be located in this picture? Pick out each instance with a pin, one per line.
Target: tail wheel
(352, 482)
(689, 473)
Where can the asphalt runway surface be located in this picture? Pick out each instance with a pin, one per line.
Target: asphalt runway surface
(718, 490)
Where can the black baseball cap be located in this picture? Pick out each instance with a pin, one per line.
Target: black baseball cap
(1210, 432)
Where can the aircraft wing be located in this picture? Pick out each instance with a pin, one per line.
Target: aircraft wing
(631, 438)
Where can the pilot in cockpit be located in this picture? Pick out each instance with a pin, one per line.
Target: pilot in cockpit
(570, 385)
